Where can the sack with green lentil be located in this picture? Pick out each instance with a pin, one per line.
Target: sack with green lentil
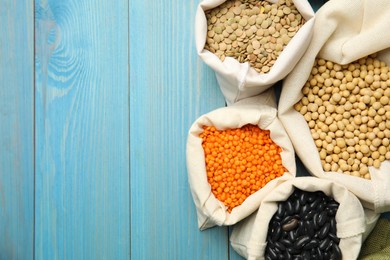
(335, 104)
(306, 217)
(235, 156)
(252, 44)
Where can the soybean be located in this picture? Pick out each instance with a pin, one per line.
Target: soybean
(357, 112)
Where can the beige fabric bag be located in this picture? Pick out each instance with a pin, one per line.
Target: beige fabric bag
(238, 80)
(353, 223)
(344, 31)
(257, 111)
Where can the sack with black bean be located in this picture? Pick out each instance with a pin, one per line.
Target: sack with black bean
(335, 104)
(307, 217)
(252, 44)
(235, 156)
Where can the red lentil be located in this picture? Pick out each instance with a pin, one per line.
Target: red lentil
(239, 162)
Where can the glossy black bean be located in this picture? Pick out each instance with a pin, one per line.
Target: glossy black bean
(268, 257)
(333, 205)
(315, 203)
(296, 207)
(336, 252)
(303, 198)
(329, 247)
(324, 231)
(290, 225)
(332, 212)
(311, 197)
(280, 246)
(333, 228)
(289, 208)
(271, 252)
(301, 241)
(315, 220)
(319, 253)
(298, 257)
(322, 218)
(324, 244)
(321, 206)
(334, 237)
(276, 233)
(309, 215)
(304, 209)
(292, 235)
(301, 230)
(286, 242)
(309, 228)
(311, 244)
(281, 210)
(287, 256)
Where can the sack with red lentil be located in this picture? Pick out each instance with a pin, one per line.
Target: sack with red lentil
(306, 216)
(252, 44)
(235, 156)
(335, 104)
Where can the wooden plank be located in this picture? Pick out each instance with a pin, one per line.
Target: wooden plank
(170, 87)
(82, 134)
(16, 129)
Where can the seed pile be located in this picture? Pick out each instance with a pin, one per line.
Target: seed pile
(239, 162)
(347, 108)
(252, 31)
(304, 227)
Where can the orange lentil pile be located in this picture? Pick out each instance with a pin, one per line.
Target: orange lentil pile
(239, 162)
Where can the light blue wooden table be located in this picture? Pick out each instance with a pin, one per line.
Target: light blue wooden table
(96, 99)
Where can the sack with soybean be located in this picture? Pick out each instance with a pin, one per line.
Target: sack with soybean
(252, 44)
(335, 104)
(235, 156)
(306, 216)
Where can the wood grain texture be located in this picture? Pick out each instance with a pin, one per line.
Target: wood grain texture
(170, 88)
(16, 129)
(82, 134)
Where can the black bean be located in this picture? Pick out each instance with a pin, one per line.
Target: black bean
(324, 231)
(293, 251)
(289, 208)
(321, 206)
(290, 225)
(301, 241)
(272, 253)
(301, 230)
(296, 207)
(268, 257)
(322, 218)
(311, 244)
(336, 252)
(311, 197)
(303, 198)
(306, 255)
(304, 209)
(327, 255)
(280, 246)
(319, 254)
(309, 215)
(333, 225)
(292, 235)
(315, 220)
(298, 257)
(287, 255)
(287, 242)
(276, 233)
(281, 210)
(309, 228)
(334, 238)
(330, 245)
(324, 244)
(315, 203)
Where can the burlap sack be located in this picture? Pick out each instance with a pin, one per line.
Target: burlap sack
(353, 223)
(238, 80)
(258, 111)
(344, 31)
